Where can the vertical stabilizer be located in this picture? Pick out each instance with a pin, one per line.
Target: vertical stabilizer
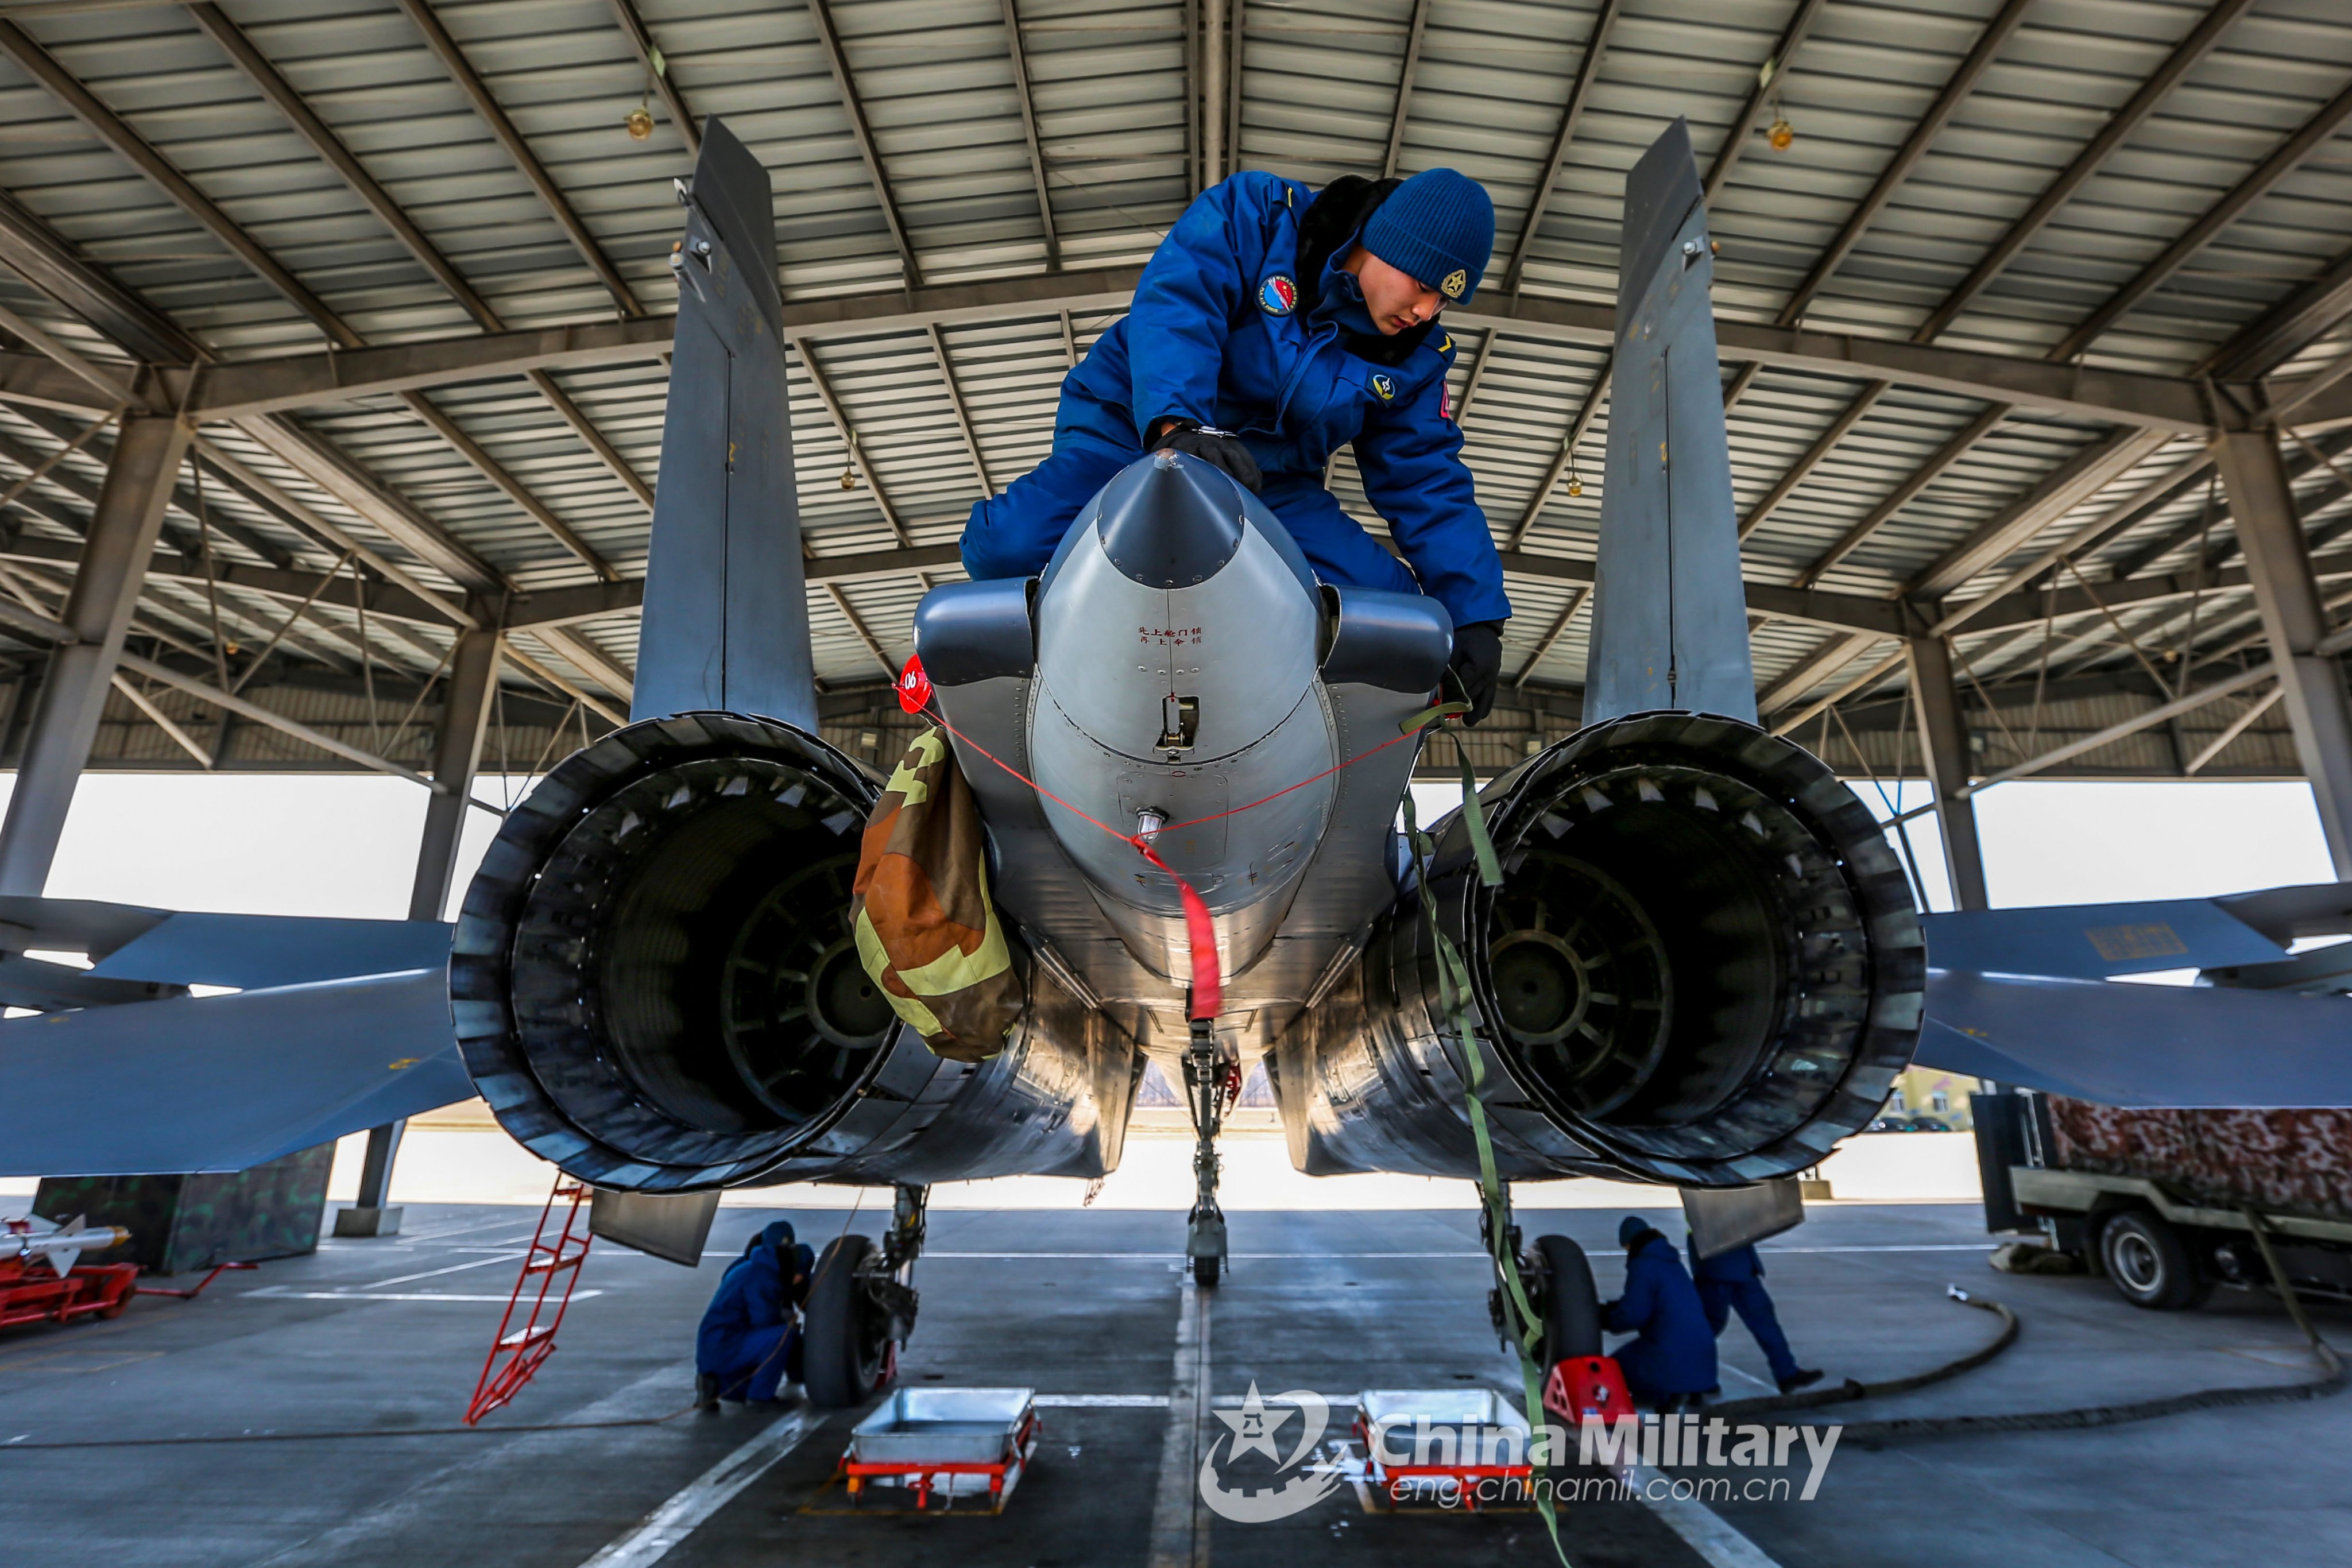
(1669, 615)
(726, 609)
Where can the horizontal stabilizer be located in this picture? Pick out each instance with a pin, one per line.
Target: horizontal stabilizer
(2136, 1045)
(256, 951)
(2092, 941)
(223, 1083)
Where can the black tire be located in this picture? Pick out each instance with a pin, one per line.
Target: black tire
(845, 1342)
(2148, 1263)
(1205, 1271)
(1571, 1306)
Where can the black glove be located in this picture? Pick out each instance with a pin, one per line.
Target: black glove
(1220, 447)
(1476, 664)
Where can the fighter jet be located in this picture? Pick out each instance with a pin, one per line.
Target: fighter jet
(1673, 948)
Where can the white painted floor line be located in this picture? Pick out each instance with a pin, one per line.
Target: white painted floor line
(708, 1493)
(1699, 1526)
(1101, 1401)
(1179, 1539)
(502, 1257)
(279, 1293)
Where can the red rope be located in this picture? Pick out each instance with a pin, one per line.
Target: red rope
(1208, 979)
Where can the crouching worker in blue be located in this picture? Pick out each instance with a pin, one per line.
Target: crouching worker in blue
(749, 1343)
(1734, 1280)
(1274, 326)
(1671, 1360)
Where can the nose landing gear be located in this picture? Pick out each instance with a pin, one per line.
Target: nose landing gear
(1213, 1082)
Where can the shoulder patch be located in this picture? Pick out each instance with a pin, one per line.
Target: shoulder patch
(1445, 344)
(1386, 386)
(1278, 296)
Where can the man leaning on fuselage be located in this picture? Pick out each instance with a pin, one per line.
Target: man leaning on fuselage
(1274, 326)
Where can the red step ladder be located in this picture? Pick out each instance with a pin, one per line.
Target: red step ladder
(516, 1353)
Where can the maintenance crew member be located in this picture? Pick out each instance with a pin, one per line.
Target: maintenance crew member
(1274, 326)
(749, 1343)
(1671, 1360)
(1734, 1281)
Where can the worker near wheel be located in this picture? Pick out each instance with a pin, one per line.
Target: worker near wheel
(749, 1343)
(1732, 1281)
(1274, 325)
(1670, 1362)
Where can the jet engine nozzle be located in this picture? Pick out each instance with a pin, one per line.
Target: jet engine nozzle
(1703, 965)
(655, 986)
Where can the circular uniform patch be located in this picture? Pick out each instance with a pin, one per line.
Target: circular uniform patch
(1385, 386)
(1278, 296)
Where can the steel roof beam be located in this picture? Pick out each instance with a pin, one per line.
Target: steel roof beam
(2087, 162)
(1577, 599)
(134, 149)
(2289, 327)
(963, 414)
(2282, 162)
(848, 435)
(1727, 157)
(477, 92)
(42, 257)
(820, 13)
(1566, 457)
(1919, 478)
(2174, 404)
(1588, 73)
(1931, 125)
(321, 139)
(1404, 87)
(681, 119)
(1821, 448)
(1028, 101)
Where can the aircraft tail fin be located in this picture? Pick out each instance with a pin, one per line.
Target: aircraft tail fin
(1669, 614)
(725, 624)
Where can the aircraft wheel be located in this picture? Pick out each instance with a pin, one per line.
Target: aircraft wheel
(1205, 1271)
(2149, 1263)
(1571, 1306)
(845, 1340)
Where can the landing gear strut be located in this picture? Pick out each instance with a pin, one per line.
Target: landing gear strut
(861, 1308)
(1212, 1083)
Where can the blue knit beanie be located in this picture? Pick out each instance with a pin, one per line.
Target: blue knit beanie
(1438, 227)
(1631, 1229)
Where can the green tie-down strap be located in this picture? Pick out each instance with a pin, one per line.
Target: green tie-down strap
(1454, 994)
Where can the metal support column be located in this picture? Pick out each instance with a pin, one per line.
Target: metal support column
(122, 533)
(456, 754)
(1944, 737)
(2293, 621)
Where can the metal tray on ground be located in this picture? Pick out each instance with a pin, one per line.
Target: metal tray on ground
(1462, 1407)
(942, 1426)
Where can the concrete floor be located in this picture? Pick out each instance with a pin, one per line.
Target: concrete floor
(375, 1338)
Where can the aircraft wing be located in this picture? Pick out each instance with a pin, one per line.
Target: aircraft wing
(2025, 997)
(337, 1026)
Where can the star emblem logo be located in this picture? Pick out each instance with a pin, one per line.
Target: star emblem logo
(1254, 1427)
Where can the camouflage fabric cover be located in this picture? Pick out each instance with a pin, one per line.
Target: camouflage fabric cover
(926, 927)
(180, 1223)
(2296, 1162)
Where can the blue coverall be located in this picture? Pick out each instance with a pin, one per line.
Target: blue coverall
(1734, 1281)
(1215, 336)
(748, 1338)
(1674, 1349)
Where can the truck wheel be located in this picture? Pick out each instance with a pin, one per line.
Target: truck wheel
(844, 1340)
(2149, 1263)
(1571, 1304)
